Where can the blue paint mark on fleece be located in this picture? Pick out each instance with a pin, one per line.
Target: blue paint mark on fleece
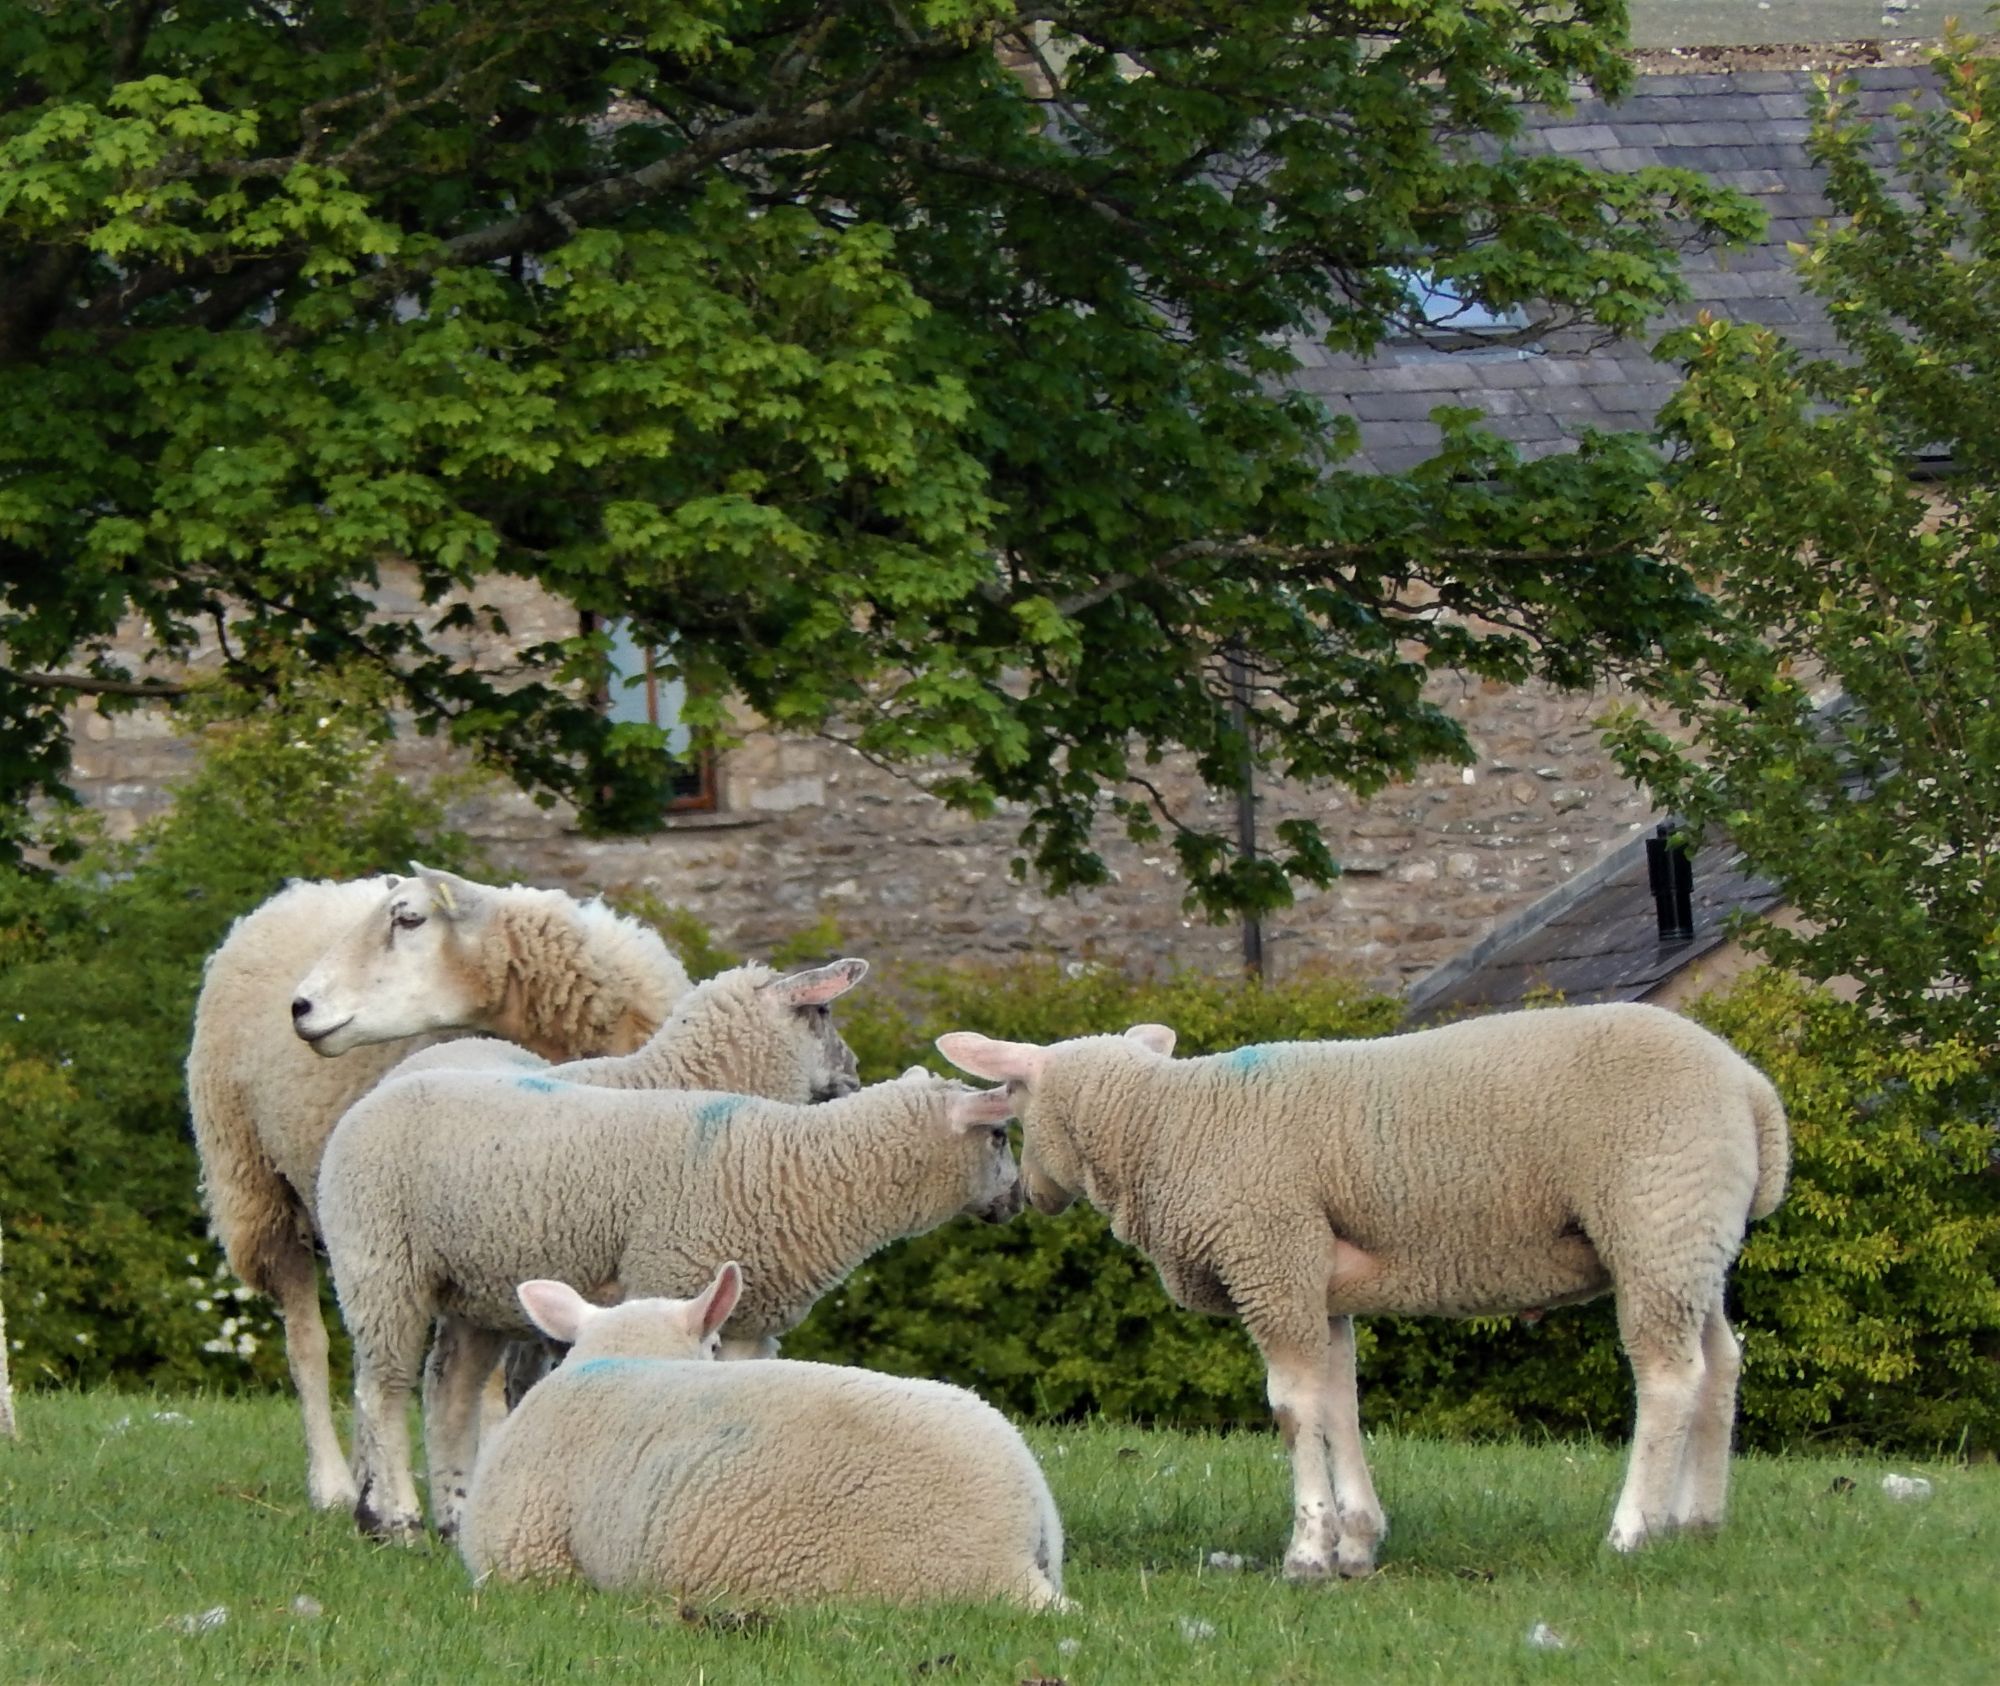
(1253, 1058)
(597, 1366)
(711, 1119)
(540, 1085)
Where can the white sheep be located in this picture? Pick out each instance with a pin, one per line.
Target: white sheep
(6, 1387)
(433, 953)
(442, 1190)
(719, 1036)
(639, 1465)
(1493, 1166)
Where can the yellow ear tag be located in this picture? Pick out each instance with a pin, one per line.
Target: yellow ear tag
(442, 891)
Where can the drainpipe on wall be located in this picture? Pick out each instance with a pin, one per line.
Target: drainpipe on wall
(1246, 808)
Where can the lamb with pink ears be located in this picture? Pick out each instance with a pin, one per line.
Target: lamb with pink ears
(636, 1465)
(1493, 1166)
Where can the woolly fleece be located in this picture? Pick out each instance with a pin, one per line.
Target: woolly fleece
(778, 1481)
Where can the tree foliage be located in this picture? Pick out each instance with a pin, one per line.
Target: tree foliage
(889, 387)
(1845, 730)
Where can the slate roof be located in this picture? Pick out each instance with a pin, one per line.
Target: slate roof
(1744, 129)
(1595, 938)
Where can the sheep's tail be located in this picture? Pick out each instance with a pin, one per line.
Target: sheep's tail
(1774, 1146)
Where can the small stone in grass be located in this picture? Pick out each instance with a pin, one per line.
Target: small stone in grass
(1542, 1637)
(1229, 1561)
(1192, 1627)
(1906, 1486)
(205, 1621)
(1069, 1647)
(307, 1606)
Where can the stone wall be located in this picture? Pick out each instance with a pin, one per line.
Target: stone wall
(806, 828)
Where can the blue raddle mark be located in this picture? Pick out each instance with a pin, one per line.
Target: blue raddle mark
(711, 1118)
(1253, 1058)
(539, 1085)
(596, 1366)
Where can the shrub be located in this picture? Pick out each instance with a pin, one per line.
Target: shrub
(110, 1273)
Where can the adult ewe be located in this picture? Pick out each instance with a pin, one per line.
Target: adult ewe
(640, 1465)
(1498, 1165)
(397, 958)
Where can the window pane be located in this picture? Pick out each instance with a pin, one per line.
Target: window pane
(636, 694)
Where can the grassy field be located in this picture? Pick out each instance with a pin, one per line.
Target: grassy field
(127, 1524)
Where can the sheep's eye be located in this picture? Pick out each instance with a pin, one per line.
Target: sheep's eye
(1000, 1136)
(406, 920)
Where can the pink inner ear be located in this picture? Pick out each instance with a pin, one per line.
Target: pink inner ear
(720, 1299)
(989, 1106)
(815, 989)
(555, 1308)
(986, 1056)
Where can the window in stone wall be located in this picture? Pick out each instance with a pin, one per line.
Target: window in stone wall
(641, 691)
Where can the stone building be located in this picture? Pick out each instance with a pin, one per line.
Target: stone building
(797, 829)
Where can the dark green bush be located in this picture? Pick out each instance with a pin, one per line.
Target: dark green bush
(110, 1274)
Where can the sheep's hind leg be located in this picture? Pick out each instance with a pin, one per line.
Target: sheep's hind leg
(386, 1362)
(292, 1279)
(455, 1376)
(1362, 1524)
(1704, 1484)
(1664, 1345)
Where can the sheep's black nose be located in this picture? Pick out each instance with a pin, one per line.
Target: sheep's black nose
(300, 1007)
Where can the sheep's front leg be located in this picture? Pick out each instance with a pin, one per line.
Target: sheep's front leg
(1362, 1523)
(455, 1375)
(1295, 1382)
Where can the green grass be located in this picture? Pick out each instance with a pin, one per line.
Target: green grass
(115, 1526)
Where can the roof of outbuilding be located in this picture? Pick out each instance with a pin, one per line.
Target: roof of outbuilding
(1744, 129)
(1595, 938)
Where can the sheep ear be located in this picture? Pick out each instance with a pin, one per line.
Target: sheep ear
(980, 1107)
(451, 895)
(910, 1072)
(818, 986)
(710, 1309)
(556, 1309)
(1159, 1038)
(994, 1060)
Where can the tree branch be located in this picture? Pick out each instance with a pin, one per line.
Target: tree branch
(87, 684)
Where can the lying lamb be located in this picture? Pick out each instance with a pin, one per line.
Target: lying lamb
(441, 1191)
(637, 1465)
(395, 957)
(1493, 1166)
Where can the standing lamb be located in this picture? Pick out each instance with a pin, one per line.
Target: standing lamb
(639, 1465)
(1497, 1165)
(720, 1035)
(443, 1190)
(396, 957)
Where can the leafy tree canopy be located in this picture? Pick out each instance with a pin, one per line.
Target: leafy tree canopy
(1846, 731)
(897, 389)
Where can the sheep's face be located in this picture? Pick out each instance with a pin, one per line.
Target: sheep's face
(978, 1119)
(638, 1328)
(405, 967)
(802, 1002)
(1052, 1167)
